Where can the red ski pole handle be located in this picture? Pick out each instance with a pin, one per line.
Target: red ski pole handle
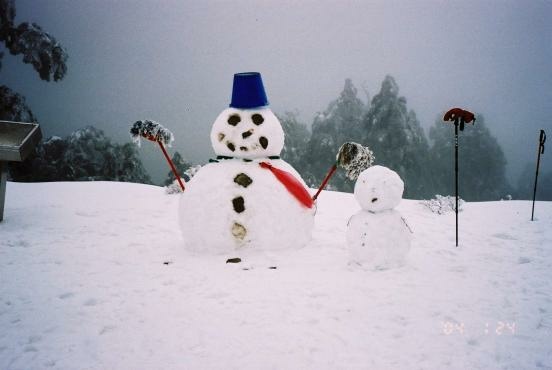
(459, 113)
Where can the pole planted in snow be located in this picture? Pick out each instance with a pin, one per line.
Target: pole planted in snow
(456, 173)
(542, 139)
(459, 117)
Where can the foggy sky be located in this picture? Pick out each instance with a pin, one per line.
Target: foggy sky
(173, 61)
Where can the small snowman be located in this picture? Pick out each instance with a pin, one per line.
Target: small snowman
(248, 198)
(378, 236)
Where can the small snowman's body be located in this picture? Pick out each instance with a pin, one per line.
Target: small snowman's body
(378, 236)
(234, 205)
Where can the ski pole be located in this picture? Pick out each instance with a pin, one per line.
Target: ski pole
(325, 181)
(542, 139)
(153, 131)
(171, 164)
(459, 117)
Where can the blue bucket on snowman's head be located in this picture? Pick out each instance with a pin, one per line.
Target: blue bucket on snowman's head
(248, 91)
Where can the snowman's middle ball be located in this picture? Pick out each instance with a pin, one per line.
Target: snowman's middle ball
(378, 188)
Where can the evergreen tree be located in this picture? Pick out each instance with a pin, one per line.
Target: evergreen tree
(526, 183)
(38, 48)
(181, 166)
(85, 155)
(296, 139)
(395, 136)
(482, 164)
(339, 123)
(13, 106)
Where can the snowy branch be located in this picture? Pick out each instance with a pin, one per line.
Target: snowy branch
(354, 158)
(152, 131)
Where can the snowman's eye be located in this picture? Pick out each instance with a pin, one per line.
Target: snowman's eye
(257, 119)
(374, 200)
(234, 119)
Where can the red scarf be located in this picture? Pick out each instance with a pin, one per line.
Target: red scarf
(291, 183)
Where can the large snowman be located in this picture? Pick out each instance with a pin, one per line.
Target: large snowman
(378, 236)
(248, 199)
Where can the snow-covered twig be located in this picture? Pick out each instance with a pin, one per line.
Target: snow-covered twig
(354, 158)
(152, 131)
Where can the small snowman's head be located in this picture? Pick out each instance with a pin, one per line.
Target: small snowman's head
(248, 129)
(378, 188)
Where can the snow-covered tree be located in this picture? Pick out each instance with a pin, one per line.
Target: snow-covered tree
(13, 106)
(296, 139)
(181, 166)
(85, 155)
(38, 48)
(482, 164)
(339, 123)
(526, 183)
(398, 141)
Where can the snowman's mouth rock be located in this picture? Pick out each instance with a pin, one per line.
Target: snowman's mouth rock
(374, 200)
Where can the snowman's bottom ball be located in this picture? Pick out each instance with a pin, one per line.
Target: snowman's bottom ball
(237, 208)
(378, 240)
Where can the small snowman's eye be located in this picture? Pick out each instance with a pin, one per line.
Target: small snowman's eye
(374, 200)
(257, 119)
(234, 119)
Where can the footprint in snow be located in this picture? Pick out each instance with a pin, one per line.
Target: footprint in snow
(107, 329)
(85, 214)
(523, 260)
(504, 236)
(17, 244)
(66, 295)
(90, 302)
(50, 363)
(34, 339)
(30, 349)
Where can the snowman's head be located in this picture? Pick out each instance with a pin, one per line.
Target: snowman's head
(247, 133)
(378, 188)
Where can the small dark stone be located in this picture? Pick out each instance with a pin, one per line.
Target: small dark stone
(263, 141)
(243, 180)
(243, 148)
(272, 268)
(221, 136)
(257, 119)
(374, 200)
(247, 133)
(238, 203)
(231, 146)
(234, 119)
(167, 262)
(233, 260)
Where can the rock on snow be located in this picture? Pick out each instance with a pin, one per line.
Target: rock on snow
(94, 276)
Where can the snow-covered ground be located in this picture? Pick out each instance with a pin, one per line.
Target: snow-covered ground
(94, 276)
